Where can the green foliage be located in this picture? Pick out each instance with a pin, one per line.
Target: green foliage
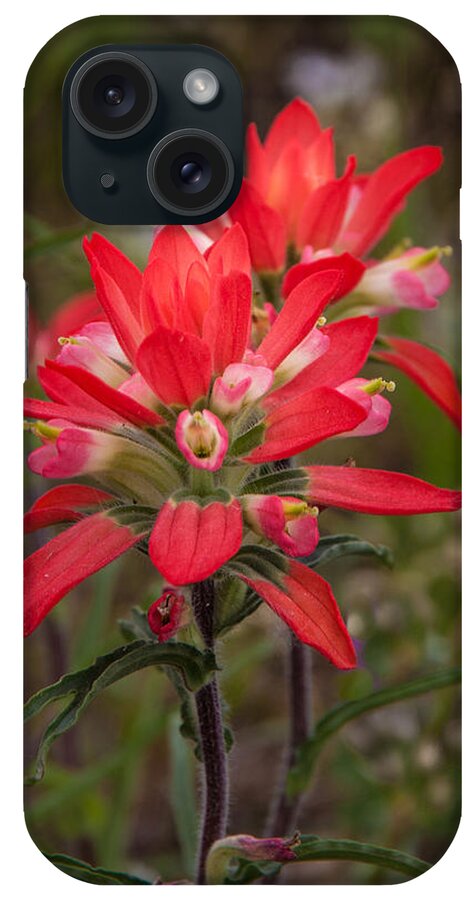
(311, 848)
(337, 545)
(195, 667)
(81, 870)
(307, 754)
(235, 602)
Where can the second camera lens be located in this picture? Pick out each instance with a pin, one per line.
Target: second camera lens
(190, 172)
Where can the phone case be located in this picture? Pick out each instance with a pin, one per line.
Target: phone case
(232, 430)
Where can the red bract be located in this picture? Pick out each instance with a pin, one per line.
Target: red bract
(176, 402)
(292, 197)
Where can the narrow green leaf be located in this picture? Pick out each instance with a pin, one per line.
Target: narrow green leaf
(312, 848)
(83, 871)
(308, 752)
(281, 482)
(194, 666)
(315, 848)
(336, 545)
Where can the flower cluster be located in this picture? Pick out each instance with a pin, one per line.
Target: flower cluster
(181, 398)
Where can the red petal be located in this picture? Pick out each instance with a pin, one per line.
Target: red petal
(226, 327)
(264, 228)
(428, 370)
(118, 310)
(175, 247)
(41, 409)
(230, 253)
(176, 366)
(312, 417)
(288, 186)
(308, 606)
(68, 559)
(383, 194)
(63, 504)
(298, 122)
(323, 214)
(196, 300)
(350, 344)
(377, 491)
(105, 396)
(298, 315)
(100, 252)
(161, 296)
(352, 270)
(189, 542)
(258, 169)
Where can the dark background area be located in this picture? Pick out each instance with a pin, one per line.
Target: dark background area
(119, 788)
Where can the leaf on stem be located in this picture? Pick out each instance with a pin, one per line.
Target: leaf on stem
(336, 545)
(194, 666)
(307, 754)
(83, 871)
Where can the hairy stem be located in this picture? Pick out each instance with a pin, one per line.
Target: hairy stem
(284, 809)
(212, 744)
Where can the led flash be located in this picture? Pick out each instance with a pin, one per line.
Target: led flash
(201, 86)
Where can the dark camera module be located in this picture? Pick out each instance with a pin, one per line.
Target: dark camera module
(190, 172)
(113, 95)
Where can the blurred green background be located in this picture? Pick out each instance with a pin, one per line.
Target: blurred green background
(119, 789)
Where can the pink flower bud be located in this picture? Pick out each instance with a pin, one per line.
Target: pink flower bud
(165, 613)
(202, 439)
(288, 522)
(240, 385)
(368, 395)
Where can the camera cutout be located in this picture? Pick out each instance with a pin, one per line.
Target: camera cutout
(164, 123)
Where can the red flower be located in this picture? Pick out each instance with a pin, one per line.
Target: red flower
(292, 197)
(164, 614)
(176, 403)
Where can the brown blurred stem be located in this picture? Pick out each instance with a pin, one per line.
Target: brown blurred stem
(212, 743)
(284, 809)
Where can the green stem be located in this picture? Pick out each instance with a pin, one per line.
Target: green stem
(212, 743)
(201, 481)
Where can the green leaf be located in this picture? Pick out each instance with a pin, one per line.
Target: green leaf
(81, 870)
(315, 848)
(281, 482)
(194, 666)
(307, 754)
(247, 441)
(336, 545)
(235, 602)
(311, 848)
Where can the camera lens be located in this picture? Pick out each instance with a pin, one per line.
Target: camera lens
(190, 172)
(113, 95)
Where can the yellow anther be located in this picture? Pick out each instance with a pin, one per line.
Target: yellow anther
(62, 341)
(41, 429)
(321, 321)
(378, 385)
